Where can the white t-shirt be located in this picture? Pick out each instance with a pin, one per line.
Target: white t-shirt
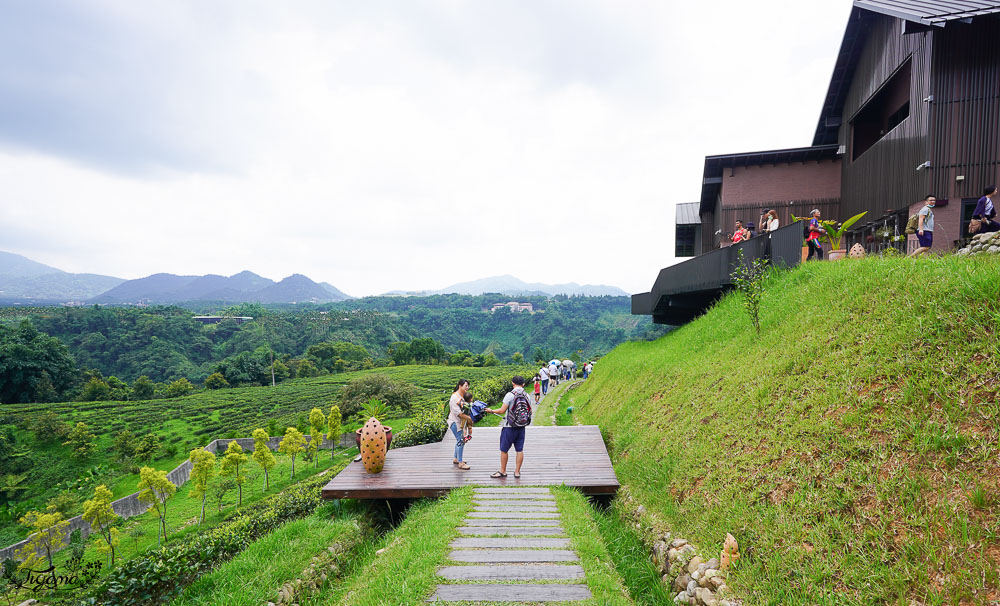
(543, 374)
(773, 225)
(455, 409)
(508, 399)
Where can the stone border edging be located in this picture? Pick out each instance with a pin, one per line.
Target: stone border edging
(129, 506)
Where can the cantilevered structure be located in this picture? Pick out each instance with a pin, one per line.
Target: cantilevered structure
(913, 108)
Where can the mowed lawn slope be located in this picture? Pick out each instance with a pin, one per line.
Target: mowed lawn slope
(851, 447)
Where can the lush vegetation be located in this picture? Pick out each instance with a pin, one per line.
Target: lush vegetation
(851, 446)
(128, 353)
(37, 464)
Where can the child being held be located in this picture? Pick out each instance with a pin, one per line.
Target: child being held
(465, 425)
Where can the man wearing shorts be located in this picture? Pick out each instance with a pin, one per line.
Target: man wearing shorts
(510, 436)
(925, 226)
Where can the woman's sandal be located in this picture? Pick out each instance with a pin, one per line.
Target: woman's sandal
(517, 475)
(464, 465)
(497, 474)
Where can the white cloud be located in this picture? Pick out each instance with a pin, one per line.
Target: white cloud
(393, 145)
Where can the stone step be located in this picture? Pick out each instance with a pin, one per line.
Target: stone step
(494, 556)
(514, 498)
(517, 501)
(512, 572)
(511, 593)
(511, 531)
(512, 490)
(495, 522)
(509, 543)
(514, 515)
(522, 508)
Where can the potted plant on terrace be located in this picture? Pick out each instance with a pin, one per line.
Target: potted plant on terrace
(375, 409)
(835, 235)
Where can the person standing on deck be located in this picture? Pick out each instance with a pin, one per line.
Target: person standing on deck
(812, 240)
(455, 418)
(516, 415)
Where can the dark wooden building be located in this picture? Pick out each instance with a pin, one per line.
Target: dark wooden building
(913, 108)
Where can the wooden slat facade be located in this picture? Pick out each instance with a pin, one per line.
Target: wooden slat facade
(572, 456)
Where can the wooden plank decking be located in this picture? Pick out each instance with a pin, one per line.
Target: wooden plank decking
(573, 455)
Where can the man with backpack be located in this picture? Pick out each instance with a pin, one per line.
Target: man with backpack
(516, 415)
(924, 228)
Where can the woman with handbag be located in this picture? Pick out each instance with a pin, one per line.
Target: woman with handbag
(982, 216)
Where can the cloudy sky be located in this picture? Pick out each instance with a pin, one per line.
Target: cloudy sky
(386, 145)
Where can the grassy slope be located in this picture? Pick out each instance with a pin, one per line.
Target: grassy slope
(851, 447)
(254, 576)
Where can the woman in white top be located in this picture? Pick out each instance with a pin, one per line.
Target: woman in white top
(772, 222)
(455, 414)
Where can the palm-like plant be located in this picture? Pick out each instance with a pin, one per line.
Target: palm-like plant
(835, 231)
(375, 408)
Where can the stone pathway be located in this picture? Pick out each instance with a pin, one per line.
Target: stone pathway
(511, 540)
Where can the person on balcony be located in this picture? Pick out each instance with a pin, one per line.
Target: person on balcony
(770, 221)
(925, 226)
(740, 234)
(985, 211)
(815, 231)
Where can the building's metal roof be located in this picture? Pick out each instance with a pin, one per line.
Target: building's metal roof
(926, 13)
(687, 213)
(930, 12)
(712, 177)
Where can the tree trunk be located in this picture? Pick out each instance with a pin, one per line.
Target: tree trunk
(267, 483)
(203, 498)
(239, 490)
(293, 469)
(272, 368)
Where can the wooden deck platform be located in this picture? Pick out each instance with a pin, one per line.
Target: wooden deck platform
(553, 456)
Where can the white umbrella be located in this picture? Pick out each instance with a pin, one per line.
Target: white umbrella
(555, 362)
(567, 363)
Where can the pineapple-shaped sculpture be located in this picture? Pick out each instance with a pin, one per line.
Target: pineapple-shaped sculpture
(857, 251)
(373, 446)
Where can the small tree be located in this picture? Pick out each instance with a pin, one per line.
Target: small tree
(143, 388)
(155, 489)
(263, 455)
(220, 490)
(124, 443)
(233, 464)
(82, 440)
(749, 280)
(180, 387)
(317, 423)
(146, 447)
(95, 390)
(292, 444)
(98, 513)
(216, 381)
(51, 533)
(202, 470)
(333, 428)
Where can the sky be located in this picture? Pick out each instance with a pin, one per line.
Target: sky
(386, 145)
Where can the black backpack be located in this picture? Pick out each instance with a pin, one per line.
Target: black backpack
(519, 411)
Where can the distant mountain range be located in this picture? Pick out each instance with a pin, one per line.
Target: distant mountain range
(24, 280)
(509, 285)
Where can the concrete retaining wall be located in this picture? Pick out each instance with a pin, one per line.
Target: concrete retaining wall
(129, 506)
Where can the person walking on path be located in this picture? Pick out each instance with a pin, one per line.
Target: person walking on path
(538, 389)
(455, 421)
(544, 375)
(925, 226)
(812, 240)
(516, 415)
(554, 373)
(985, 211)
(587, 369)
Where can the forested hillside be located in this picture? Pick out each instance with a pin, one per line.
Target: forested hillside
(107, 346)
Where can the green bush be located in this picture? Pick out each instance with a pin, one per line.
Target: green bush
(396, 394)
(159, 575)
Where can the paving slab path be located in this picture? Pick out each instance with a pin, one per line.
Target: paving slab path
(512, 548)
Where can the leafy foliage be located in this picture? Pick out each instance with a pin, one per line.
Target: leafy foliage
(154, 490)
(98, 513)
(293, 444)
(233, 462)
(395, 394)
(32, 365)
(82, 440)
(262, 455)
(51, 533)
(202, 471)
(749, 281)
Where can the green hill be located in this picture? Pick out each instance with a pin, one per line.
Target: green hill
(851, 447)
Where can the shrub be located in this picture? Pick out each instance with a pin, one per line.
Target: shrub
(216, 381)
(396, 394)
(180, 387)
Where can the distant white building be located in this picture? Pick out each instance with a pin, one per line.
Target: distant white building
(514, 306)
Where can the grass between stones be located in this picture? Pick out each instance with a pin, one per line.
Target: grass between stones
(851, 446)
(631, 558)
(405, 573)
(253, 577)
(603, 579)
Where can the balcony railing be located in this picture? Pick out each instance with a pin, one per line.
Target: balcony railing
(686, 290)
